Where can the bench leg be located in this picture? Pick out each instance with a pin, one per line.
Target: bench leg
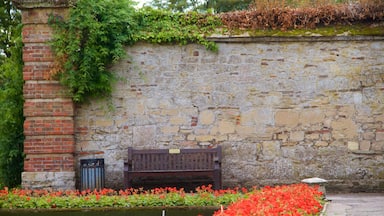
(217, 180)
(128, 183)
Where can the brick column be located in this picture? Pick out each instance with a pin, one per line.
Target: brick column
(49, 114)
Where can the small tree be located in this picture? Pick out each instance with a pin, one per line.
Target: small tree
(9, 19)
(11, 96)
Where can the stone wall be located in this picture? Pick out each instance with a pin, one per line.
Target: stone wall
(282, 109)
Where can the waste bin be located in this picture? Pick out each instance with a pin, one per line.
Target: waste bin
(92, 174)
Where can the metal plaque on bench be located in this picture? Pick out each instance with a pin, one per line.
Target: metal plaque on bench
(174, 151)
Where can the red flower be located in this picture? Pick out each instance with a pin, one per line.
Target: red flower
(297, 199)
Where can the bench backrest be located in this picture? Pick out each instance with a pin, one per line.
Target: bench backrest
(174, 159)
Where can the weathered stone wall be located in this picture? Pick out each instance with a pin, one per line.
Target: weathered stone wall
(283, 110)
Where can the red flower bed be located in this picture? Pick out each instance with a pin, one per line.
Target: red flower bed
(132, 197)
(299, 199)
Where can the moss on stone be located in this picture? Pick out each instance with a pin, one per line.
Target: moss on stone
(376, 29)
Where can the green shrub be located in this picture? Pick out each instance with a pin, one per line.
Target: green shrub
(11, 115)
(89, 41)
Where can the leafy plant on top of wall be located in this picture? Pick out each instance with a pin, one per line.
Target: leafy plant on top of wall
(88, 42)
(96, 32)
(161, 26)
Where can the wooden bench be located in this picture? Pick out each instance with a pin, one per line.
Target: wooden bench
(173, 163)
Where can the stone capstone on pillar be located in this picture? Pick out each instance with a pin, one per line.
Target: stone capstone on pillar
(24, 4)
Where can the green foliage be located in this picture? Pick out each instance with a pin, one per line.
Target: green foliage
(218, 6)
(175, 5)
(11, 114)
(96, 32)
(221, 6)
(92, 39)
(9, 19)
(159, 26)
(41, 199)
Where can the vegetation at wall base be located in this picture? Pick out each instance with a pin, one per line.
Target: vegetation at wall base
(95, 36)
(129, 198)
(296, 199)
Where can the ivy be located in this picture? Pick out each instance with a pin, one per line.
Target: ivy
(97, 31)
(89, 41)
(160, 26)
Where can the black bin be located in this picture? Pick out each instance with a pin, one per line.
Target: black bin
(92, 174)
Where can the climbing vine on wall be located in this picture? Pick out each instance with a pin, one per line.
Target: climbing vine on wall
(96, 32)
(91, 39)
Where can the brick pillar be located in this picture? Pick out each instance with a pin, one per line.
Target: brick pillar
(49, 114)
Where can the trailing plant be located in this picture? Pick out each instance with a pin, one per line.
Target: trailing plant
(89, 41)
(96, 32)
